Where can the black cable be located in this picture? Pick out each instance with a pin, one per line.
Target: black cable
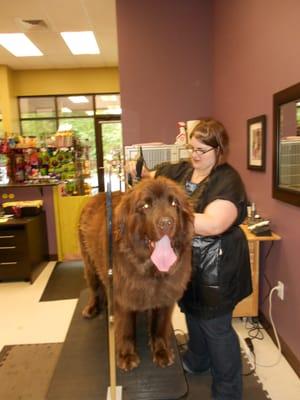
(182, 347)
(268, 282)
(248, 341)
(255, 331)
(265, 276)
(268, 252)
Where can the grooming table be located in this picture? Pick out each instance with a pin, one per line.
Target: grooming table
(82, 371)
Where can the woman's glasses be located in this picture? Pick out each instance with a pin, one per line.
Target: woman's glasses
(198, 151)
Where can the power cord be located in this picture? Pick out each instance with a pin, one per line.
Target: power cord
(249, 343)
(182, 340)
(250, 346)
(255, 331)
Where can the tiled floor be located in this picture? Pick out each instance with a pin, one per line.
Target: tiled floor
(280, 380)
(24, 320)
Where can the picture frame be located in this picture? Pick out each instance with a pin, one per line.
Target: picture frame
(256, 143)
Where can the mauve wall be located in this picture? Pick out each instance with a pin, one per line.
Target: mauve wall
(165, 50)
(166, 75)
(256, 53)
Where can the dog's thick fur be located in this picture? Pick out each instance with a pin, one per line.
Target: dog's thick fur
(142, 216)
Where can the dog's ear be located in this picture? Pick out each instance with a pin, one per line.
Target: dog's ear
(121, 212)
(187, 208)
(184, 204)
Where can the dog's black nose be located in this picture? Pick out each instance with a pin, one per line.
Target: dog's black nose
(165, 223)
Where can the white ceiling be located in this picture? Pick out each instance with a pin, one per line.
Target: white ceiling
(60, 15)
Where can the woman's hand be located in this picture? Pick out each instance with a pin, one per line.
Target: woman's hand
(130, 168)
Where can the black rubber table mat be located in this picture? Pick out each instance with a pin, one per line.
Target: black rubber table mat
(82, 369)
(65, 282)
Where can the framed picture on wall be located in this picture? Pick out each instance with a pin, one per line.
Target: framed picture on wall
(256, 143)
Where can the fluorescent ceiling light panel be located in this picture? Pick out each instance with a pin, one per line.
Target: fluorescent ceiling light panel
(114, 110)
(43, 110)
(81, 42)
(109, 97)
(78, 99)
(66, 110)
(19, 45)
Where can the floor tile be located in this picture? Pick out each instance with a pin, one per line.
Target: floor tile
(26, 320)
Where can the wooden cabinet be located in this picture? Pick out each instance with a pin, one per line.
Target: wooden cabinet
(23, 246)
(249, 306)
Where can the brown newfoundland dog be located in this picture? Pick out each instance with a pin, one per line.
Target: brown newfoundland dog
(152, 232)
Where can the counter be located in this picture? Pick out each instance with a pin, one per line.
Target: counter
(46, 192)
(249, 306)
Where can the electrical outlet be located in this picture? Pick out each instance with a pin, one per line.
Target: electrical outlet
(280, 290)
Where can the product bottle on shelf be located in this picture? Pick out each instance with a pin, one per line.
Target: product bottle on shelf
(18, 167)
(3, 170)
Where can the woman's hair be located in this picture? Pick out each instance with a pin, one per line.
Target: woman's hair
(212, 133)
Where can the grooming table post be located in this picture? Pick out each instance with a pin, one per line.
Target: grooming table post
(114, 392)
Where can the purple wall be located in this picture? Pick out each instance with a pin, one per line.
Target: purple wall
(167, 75)
(256, 53)
(165, 51)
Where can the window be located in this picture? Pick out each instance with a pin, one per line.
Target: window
(38, 117)
(37, 107)
(75, 106)
(41, 128)
(43, 116)
(84, 130)
(108, 104)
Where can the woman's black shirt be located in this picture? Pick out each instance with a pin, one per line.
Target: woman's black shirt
(223, 278)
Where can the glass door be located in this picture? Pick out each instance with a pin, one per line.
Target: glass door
(109, 144)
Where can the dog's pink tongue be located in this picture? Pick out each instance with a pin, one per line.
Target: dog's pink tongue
(163, 255)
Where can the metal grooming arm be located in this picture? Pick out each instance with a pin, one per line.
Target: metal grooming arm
(114, 392)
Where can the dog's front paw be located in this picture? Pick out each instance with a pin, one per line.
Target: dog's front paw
(163, 357)
(129, 361)
(90, 311)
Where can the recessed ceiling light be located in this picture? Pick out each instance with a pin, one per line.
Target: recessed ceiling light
(81, 42)
(78, 99)
(19, 45)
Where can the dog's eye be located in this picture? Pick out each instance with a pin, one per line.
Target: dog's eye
(174, 203)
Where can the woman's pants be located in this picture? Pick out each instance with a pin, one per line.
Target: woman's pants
(213, 344)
